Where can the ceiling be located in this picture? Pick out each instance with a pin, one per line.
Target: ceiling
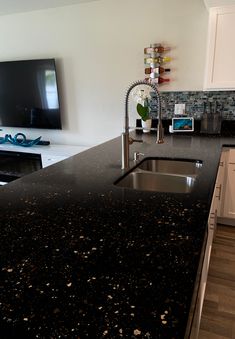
(218, 3)
(17, 6)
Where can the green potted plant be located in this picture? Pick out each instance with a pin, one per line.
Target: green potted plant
(143, 109)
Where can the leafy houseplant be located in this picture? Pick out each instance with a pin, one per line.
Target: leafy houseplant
(143, 109)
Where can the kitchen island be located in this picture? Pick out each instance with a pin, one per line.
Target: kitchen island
(83, 258)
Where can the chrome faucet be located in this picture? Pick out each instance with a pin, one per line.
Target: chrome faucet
(126, 140)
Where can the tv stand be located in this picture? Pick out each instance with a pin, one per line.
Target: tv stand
(14, 165)
(19, 139)
(50, 154)
(41, 142)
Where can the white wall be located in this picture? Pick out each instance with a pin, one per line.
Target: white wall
(99, 51)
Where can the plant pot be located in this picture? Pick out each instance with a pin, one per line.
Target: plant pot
(146, 125)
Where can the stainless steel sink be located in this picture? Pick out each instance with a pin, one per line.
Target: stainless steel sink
(184, 167)
(159, 182)
(162, 175)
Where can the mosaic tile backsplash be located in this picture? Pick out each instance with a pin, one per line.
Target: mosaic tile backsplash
(196, 102)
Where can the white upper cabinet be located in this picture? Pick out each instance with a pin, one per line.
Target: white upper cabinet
(220, 64)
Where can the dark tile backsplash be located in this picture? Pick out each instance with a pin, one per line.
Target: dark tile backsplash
(196, 102)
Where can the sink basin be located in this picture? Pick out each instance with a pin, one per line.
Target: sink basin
(160, 182)
(162, 175)
(184, 167)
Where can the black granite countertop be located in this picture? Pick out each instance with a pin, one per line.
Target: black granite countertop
(82, 258)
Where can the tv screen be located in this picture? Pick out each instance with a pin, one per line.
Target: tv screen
(29, 94)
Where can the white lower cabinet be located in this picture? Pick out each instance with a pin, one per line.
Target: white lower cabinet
(205, 262)
(227, 207)
(222, 210)
(219, 185)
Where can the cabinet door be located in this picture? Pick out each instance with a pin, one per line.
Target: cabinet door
(220, 70)
(229, 201)
(205, 268)
(220, 182)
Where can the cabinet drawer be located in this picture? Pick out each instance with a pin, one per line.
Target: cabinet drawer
(231, 156)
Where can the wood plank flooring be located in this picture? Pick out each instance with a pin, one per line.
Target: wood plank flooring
(218, 315)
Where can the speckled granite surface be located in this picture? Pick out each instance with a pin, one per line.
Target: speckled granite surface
(82, 258)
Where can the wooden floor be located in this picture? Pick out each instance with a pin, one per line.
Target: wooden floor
(218, 315)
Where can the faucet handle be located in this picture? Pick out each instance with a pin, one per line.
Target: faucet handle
(131, 140)
(137, 155)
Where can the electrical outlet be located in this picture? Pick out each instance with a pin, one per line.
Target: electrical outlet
(179, 109)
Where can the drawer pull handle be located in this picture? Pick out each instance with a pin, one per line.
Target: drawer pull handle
(219, 194)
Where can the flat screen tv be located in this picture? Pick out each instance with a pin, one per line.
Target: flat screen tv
(29, 94)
